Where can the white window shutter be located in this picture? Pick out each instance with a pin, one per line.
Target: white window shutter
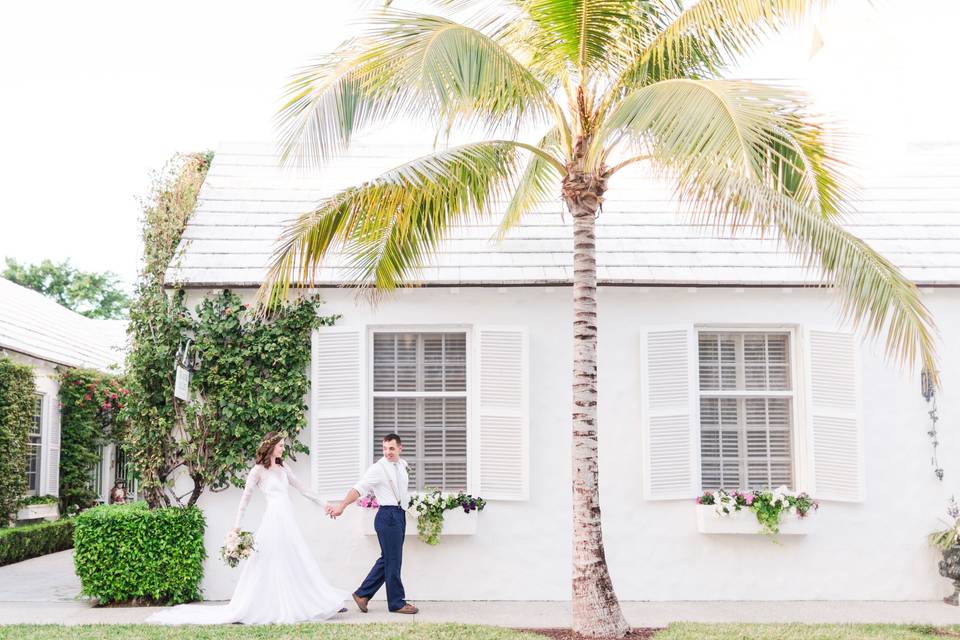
(503, 414)
(51, 448)
(669, 420)
(833, 415)
(337, 409)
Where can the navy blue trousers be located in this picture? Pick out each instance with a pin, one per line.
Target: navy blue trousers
(390, 524)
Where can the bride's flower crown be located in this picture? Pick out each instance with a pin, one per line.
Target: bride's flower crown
(275, 439)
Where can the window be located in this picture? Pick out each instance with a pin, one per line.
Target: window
(420, 393)
(746, 410)
(95, 474)
(123, 470)
(34, 443)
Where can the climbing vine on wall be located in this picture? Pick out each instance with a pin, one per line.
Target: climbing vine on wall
(157, 322)
(17, 392)
(250, 378)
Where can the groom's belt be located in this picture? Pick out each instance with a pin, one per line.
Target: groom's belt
(391, 506)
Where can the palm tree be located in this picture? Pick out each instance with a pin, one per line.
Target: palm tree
(607, 83)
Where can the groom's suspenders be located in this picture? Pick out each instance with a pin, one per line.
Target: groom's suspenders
(393, 486)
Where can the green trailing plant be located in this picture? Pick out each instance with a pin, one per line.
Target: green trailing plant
(32, 540)
(131, 553)
(91, 406)
(32, 500)
(17, 393)
(157, 324)
(432, 506)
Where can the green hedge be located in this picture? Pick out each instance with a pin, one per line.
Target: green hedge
(16, 411)
(32, 540)
(129, 553)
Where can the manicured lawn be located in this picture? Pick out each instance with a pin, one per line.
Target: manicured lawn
(688, 631)
(467, 632)
(268, 632)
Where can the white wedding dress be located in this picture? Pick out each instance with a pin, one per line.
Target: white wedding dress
(280, 582)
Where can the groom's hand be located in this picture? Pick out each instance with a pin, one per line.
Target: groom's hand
(334, 511)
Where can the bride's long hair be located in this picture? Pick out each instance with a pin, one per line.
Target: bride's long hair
(266, 448)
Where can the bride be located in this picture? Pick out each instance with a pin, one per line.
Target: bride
(280, 582)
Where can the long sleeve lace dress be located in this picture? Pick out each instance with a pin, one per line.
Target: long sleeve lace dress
(280, 582)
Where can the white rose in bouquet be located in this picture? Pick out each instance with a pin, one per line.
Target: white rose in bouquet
(237, 546)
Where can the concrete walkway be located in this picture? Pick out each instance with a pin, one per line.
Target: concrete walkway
(43, 590)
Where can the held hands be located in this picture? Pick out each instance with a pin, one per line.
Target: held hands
(334, 510)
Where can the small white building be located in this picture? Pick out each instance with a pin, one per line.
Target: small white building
(721, 363)
(36, 331)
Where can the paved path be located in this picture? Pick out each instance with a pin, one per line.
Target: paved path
(43, 590)
(49, 578)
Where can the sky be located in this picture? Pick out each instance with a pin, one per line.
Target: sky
(98, 95)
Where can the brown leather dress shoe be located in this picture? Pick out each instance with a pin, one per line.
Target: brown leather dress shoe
(407, 608)
(361, 602)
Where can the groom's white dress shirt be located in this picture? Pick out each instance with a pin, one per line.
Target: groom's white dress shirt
(387, 481)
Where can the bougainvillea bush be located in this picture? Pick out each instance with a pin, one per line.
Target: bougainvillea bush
(90, 405)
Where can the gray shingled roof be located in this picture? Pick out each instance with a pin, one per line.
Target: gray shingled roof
(34, 325)
(909, 211)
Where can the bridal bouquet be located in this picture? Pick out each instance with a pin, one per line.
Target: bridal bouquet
(237, 546)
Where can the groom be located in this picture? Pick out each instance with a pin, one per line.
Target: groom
(387, 479)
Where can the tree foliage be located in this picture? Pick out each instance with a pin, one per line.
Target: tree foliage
(95, 295)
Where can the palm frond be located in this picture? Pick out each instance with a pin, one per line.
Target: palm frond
(587, 35)
(389, 227)
(874, 294)
(408, 65)
(540, 179)
(756, 130)
(727, 28)
(697, 42)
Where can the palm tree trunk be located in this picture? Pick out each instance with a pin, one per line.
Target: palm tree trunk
(596, 610)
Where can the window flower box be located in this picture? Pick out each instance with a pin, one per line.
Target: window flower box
(455, 522)
(46, 511)
(745, 522)
(770, 512)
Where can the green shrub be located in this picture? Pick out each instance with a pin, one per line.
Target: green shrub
(32, 540)
(16, 411)
(127, 552)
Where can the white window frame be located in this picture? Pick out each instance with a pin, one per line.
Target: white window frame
(799, 435)
(40, 449)
(472, 443)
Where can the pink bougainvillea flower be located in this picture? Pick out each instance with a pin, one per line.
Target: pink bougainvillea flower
(87, 397)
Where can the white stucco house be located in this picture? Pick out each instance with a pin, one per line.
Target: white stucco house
(36, 331)
(721, 363)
